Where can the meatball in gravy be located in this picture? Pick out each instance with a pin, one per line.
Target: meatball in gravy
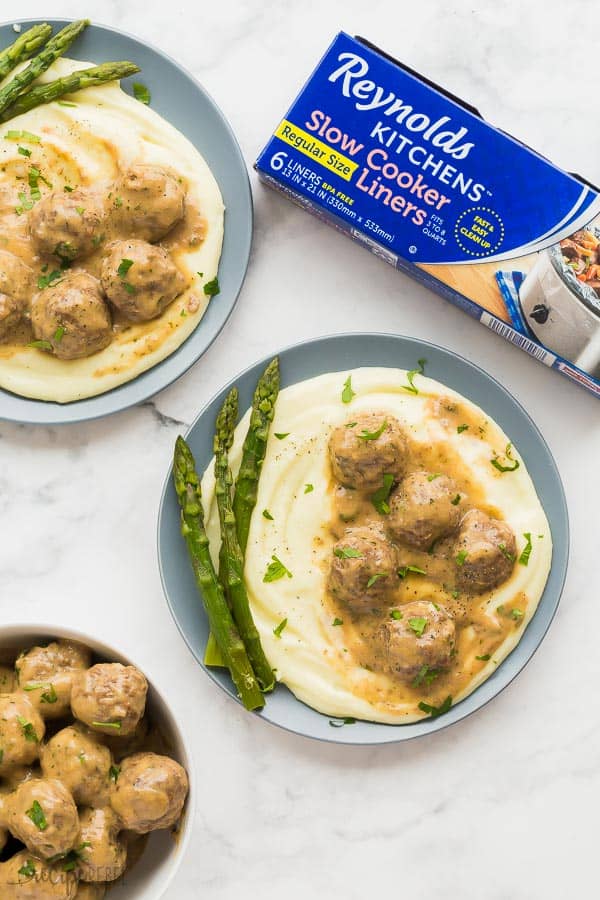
(363, 568)
(365, 449)
(67, 225)
(109, 698)
(150, 792)
(81, 763)
(71, 316)
(424, 508)
(139, 279)
(485, 552)
(422, 635)
(46, 675)
(148, 201)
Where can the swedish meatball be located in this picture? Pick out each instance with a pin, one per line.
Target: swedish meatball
(367, 448)
(46, 675)
(16, 277)
(424, 507)
(41, 813)
(139, 279)
(150, 792)
(21, 730)
(26, 877)
(68, 225)
(80, 763)
(109, 698)
(106, 856)
(148, 201)
(364, 568)
(11, 316)
(72, 316)
(485, 552)
(423, 636)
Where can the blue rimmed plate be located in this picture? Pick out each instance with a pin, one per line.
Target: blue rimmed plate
(339, 353)
(187, 106)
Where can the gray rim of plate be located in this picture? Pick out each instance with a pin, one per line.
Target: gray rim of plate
(184, 103)
(340, 353)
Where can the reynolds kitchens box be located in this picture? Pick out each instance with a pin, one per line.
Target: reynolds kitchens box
(419, 178)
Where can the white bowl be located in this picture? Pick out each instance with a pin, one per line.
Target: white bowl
(153, 872)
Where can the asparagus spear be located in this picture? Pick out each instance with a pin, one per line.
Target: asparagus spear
(76, 81)
(189, 495)
(254, 449)
(24, 47)
(55, 47)
(232, 559)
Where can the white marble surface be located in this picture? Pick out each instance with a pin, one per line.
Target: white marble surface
(502, 806)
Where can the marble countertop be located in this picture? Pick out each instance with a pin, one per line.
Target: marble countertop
(499, 806)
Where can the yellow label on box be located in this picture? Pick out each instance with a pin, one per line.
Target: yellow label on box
(321, 153)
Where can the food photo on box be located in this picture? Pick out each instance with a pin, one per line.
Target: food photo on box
(285, 532)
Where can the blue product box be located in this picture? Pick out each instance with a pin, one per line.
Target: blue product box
(419, 178)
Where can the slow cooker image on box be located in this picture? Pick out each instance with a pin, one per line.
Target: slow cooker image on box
(562, 312)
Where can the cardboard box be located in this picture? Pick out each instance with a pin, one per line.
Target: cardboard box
(419, 178)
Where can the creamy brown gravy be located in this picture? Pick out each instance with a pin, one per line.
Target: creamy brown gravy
(60, 169)
(474, 628)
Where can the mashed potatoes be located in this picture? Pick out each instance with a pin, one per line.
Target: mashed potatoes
(85, 143)
(319, 652)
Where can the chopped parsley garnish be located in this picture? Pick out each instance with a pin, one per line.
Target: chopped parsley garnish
(124, 267)
(373, 435)
(526, 551)
(71, 860)
(505, 552)
(309, 488)
(24, 151)
(461, 428)
(337, 621)
(425, 674)
(418, 624)
(276, 570)
(456, 500)
(380, 498)
(36, 814)
(141, 92)
(347, 553)
(435, 711)
(128, 287)
(433, 476)
(375, 578)
(282, 434)
(350, 424)
(410, 376)
(80, 210)
(115, 725)
(267, 515)
(461, 557)
(69, 190)
(484, 658)
(211, 288)
(28, 870)
(348, 393)
(25, 203)
(66, 103)
(347, 720)
(454, 594)
(45, 280)
(404, 570)
(113, 773)
(49, 695)
(40, 345)
(118, 202)
(26, 136)
(59, 333)
(396, 614)
(28, 730)
(508, 454)
(516, 614)
(277, 631)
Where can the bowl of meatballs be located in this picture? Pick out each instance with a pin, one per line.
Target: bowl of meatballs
(94, 772)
